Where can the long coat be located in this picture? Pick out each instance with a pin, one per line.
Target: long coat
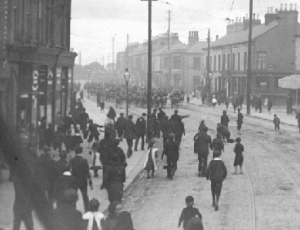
(203, 143)
(140, 126)
(80, 170)
(130, 132)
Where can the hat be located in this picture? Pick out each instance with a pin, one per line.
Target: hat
(78, 150)
(94, 204)
(216, 153)
(70, 196)
(189, 199)
(144, 114)
(238, 139)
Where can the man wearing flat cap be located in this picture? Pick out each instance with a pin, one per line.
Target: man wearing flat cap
(140, 127)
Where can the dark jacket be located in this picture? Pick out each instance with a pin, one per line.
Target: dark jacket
(124, 221)
(203, 143)
(104, 147)
(160, 115)
(140, 126)
(114, 174)
(120, 124)
(224, 120)
(60, 166)
(179, 129)
(166, 128)
(240, 118)
(223, 130)
(46, 171)
(130, 130)
(68, 218)
(62, 184)
(117, 151)
(171, 150)
(216, 170)
(217, 144)
(80, 170)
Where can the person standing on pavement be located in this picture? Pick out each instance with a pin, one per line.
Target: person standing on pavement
(188, 213)
(217, 144)
(269, 105)
(141, 129)
(104, 147)
(224, 119)
(96, 163)
(216, 172)
(120, 126)
(203, 143)
(179, 131)
(239, 120)
(109, 126)
(160, 115)
(80, 170)
(112, 113)
(114, 178)
(93, 132)
(171, 150)
(129, 134)
(84, 119)
(201, 126)
(61, 164)
(166, 129)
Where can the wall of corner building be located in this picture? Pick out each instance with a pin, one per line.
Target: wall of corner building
(279, 43)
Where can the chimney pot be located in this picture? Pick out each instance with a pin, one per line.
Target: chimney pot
(281, 6)
(291, 7)
(268, 10)
(276, 10)
(217, 37)
(295, 6)
(271, 10)
(285, 6)
(257, 16)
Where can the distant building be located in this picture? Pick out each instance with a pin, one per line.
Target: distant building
(273, 54)
(180, 66)
(36, 64)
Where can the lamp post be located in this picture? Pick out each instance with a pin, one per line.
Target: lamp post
(89, 72)
(127, 78)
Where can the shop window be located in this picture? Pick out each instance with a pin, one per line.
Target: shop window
(261, 60)
(197, 63)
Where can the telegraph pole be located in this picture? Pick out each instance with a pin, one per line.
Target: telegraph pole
(113, 53)
(149, 96)
(208, 69)
(127, 52)
(169, 49)
(249, 57)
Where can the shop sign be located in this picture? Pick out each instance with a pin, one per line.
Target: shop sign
(35, 80)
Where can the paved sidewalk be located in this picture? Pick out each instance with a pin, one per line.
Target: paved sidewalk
(279, 110)
(135, 166)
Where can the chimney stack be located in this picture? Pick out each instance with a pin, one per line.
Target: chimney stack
(276, 11)
(285, 6)
(257, 16)
(217, 37)
(291, 7)
(281, 7)
(268, 10)
(295, 6)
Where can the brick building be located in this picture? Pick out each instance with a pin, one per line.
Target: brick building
(273, 54)
(36, 68)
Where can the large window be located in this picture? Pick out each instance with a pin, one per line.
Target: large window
(197, 63)
(219, 62)
(261, 60)
(215, 62)
(245, 60)
(223, 62)
(233, 62)
(228, 61)
(239, 62)
(177, 62)
(165, 62)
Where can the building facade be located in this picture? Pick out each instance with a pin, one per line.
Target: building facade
(272, 54)
(176, 65)
(36, 70)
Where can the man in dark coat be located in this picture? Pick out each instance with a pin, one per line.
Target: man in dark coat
(171, 150)
(166, 129)
(80, 170)
(64, 182)
(114, 179)
(179, 131)
(84, 119)
(129, 134)
(46, 173)
(224, 119)
(203, 143)
(120, 125)
(141, 129)
(66, 217)
(223, 131)
(239, 121)
(161, 114)
(61, 164)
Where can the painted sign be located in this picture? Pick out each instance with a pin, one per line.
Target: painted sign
(35, 80)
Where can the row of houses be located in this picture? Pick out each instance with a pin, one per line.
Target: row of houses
(36, 62)
(180, 65)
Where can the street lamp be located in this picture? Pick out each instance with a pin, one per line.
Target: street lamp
(89, 72)
(127, 78)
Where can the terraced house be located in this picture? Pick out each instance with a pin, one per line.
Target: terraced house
(273, 53)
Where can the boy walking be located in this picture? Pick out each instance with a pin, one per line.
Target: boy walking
(216, 172)
(276, 122)
(239, 158)
(188, 213)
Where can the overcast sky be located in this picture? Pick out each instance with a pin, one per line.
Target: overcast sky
(96, 22)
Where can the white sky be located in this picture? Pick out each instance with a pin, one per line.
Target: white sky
(96, 22)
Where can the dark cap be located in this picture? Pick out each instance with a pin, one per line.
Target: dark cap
(238, 139)
(78, 150)
(216, 153)
(189, 199)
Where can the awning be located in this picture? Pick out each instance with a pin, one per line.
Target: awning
(290, 82)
